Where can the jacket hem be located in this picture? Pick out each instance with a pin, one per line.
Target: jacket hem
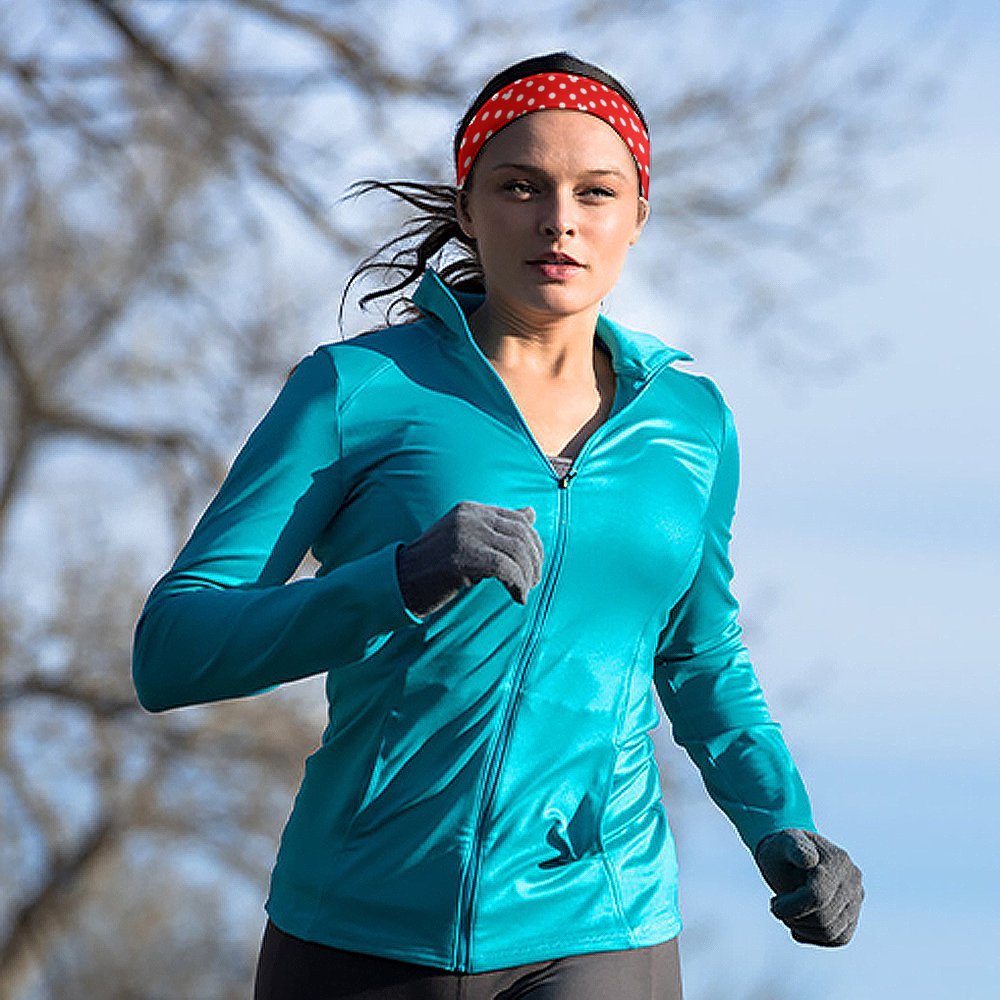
(562, 947)
(552, 948)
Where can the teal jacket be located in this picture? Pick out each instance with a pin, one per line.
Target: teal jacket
(486, 792)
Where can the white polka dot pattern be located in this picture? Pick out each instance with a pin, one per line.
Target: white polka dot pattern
(546, 91)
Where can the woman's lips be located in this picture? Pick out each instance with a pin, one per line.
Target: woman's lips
(555, 270)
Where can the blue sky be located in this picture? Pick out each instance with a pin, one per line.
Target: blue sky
(866, 550)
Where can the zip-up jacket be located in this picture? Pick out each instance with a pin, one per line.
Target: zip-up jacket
(485, 793)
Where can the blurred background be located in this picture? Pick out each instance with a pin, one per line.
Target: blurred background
(823, 241)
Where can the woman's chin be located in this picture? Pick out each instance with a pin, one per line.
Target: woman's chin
(557, 298)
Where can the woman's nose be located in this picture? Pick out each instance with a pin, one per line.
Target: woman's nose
(558, 221)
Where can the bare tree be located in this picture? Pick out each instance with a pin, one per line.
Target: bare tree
(172, 245)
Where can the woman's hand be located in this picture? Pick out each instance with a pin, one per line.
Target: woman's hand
(472, 541)
(817, 885)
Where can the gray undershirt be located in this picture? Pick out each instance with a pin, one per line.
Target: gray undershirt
(561, 465)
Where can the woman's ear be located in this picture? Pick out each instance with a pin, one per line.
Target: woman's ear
(462, 213)
(642, 214)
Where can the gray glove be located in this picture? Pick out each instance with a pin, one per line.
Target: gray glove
(472, 541)
(818, 887)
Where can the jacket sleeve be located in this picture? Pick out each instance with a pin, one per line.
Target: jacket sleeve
(223, 622)
(707, 685)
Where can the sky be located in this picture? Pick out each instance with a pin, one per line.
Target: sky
(866, 551)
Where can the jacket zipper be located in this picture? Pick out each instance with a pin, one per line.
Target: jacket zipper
(494, 765)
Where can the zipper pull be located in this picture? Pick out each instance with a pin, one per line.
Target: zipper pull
(564, 482)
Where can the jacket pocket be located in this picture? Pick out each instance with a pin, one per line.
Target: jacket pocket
(370, 788)
(575, 837)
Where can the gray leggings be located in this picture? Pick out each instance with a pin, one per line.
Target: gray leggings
(292, 969)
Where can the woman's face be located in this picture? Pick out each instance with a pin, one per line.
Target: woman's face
(558, 182)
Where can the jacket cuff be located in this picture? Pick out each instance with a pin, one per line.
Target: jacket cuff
(375, 581)
(394, 573)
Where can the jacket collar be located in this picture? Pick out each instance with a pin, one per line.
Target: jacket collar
(633, 353)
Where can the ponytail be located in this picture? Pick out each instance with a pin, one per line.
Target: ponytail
(427, 233)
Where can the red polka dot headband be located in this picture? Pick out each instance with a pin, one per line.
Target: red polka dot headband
(546, 91)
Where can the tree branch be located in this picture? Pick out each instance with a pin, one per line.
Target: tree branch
(44, 904)
(103, 706)
(226, 121)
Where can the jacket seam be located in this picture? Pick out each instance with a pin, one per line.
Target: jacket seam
(723, 435)
(609, 869)
(699, 547)
(340, 407)
(339, 413)
(616, 895)
(694, 558)
(387, 363)
(713, 390)
(342, 404)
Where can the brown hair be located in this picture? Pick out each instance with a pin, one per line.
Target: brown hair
(434, 228)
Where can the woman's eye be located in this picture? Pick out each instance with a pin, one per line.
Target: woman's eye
(527, 188)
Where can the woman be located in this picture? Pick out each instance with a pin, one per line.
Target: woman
(522, 513)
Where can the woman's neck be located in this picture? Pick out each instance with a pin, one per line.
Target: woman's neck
(561, 349)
